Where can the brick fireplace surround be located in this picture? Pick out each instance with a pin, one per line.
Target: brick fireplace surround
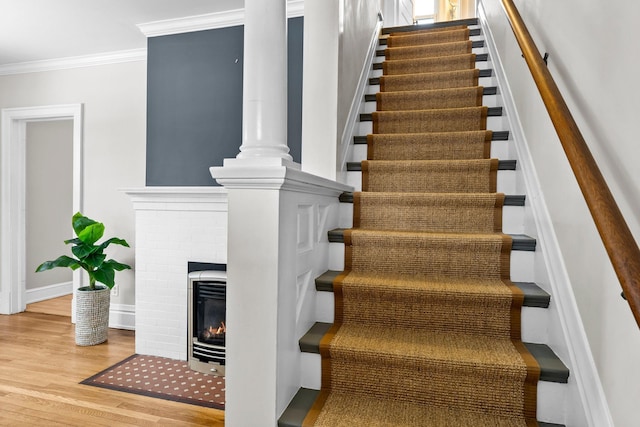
(174, 225)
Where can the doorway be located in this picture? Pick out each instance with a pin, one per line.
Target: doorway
(13, 195)
(48, 206)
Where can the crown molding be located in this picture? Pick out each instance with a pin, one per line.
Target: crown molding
(209, 21)
(116, 57)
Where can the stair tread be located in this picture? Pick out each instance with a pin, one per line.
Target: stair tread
(489, 90)
(304, 399)
(520, 242)
(474, 44)
(413, 27)
(485, 72)
(491, 112)
(503, 165)
(480, 57)
(534, 296)
(509, 199)
(472, 32)
(552, 369)
(501, 135)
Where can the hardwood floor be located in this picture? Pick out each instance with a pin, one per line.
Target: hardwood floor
(40, 371)
(60, 306)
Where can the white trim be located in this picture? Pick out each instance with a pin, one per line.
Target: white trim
(12, 194)
(582, 364)
(346, 141)
(122, 316)
(174, 198)
(47, 292)
(75, 62)
(208, 21)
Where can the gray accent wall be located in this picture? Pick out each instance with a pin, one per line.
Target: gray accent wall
(194, 103)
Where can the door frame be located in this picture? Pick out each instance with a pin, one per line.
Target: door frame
(13, 194)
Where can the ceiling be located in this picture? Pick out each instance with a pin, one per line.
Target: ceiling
(34, 30)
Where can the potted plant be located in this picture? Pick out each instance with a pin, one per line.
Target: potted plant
(92, 302)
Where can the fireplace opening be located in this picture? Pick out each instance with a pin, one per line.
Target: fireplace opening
(207, 321)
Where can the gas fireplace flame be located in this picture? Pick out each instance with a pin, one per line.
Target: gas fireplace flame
(213, 332)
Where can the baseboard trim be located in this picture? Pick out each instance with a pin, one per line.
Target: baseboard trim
(581, 362)
(47, 292)
(122, 316)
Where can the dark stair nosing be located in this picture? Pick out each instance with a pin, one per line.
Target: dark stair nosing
(310, 342)
(485, 72)
(552, 369)
(490, 90)
(304, 399)
(298, 408)
(474, 44)
(472, 32)
(509, 199)
(503, 165)
(520, 242)
(491, 112)
(403, 28)
(501, 135)
(480, 57)
(534, 296)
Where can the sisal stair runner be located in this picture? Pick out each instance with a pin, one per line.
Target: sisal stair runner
(427, 321)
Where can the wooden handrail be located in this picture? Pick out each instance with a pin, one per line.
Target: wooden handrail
(617, 238)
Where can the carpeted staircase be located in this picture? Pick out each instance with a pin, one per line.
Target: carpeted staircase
(426, 329)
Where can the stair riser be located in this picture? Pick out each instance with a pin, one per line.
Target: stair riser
(521, 263)
(512, 218)
(534, 319)
(551, 396)
(506, 182)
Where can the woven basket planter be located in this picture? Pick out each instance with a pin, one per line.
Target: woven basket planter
(92, 315)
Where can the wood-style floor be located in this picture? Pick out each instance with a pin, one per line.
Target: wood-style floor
(40, 371)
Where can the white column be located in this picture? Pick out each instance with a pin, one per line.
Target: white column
(264, 113)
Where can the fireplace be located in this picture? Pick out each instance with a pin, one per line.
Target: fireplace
(207, 308)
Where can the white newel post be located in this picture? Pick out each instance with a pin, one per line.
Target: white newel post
(274, 213)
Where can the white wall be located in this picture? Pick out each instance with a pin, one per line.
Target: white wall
(49, 184)
(398, 12)
(337, 40)
(114, 98)
(358, 21)
(592, 58)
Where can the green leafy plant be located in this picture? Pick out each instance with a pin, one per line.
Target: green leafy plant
(89, 255)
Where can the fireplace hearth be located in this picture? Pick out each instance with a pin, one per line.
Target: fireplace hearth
(207, 308)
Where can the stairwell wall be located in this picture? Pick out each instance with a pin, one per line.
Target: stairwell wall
(589, 47)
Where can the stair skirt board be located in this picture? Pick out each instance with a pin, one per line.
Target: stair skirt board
(407, 261)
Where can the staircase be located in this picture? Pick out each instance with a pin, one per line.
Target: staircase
(553, 373)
